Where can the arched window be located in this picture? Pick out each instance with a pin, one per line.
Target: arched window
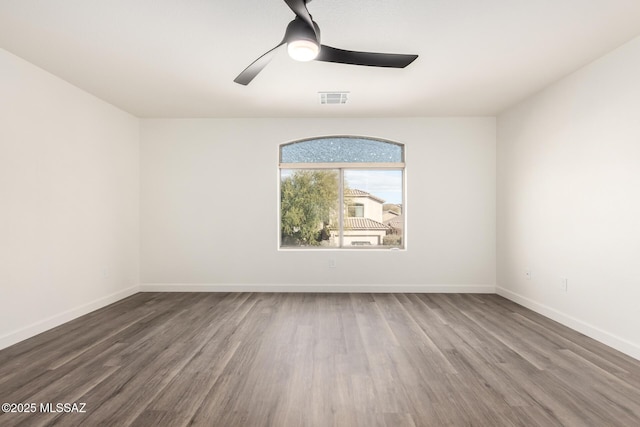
(342, 192)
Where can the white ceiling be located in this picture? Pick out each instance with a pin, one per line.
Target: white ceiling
(178, 58)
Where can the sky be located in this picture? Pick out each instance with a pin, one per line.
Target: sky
(386, 184)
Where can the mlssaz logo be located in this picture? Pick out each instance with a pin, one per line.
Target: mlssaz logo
(63, 407)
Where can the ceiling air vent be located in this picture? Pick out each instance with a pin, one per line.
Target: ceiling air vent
(333, 97)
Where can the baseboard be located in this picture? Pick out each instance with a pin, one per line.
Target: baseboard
(179, 287)
(627, 347)
(58, 319)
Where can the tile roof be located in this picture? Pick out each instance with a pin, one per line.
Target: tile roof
(354, 192)
(358, 223)
(396, 222)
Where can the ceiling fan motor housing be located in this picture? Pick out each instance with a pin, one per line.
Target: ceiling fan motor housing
(300, 30)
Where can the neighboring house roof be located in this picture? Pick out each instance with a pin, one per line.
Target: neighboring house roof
(349, 192)
(396, 222)
(388, 216)
(358, 223)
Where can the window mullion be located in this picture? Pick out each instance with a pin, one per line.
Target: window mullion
(341, 209)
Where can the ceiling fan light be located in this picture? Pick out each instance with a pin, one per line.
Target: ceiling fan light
(303, 50)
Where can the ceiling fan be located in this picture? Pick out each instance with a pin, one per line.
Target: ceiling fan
(302, 38)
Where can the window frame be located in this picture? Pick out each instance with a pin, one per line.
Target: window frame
(358, 208)
(341, 167)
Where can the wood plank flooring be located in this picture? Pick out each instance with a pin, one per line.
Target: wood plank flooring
(258, 359)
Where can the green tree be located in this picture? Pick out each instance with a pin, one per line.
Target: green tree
(308, 205)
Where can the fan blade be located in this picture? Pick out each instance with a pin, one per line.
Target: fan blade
(249, 73)
(392, 60)
(299, 7)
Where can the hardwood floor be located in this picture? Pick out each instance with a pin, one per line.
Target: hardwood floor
(251, 359)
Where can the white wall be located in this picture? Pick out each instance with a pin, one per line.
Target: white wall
(569, 200)
(69, 167)
(202, 179)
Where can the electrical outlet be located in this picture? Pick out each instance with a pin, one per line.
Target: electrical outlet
(564, 282)
(527, 274)
(332, 263)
